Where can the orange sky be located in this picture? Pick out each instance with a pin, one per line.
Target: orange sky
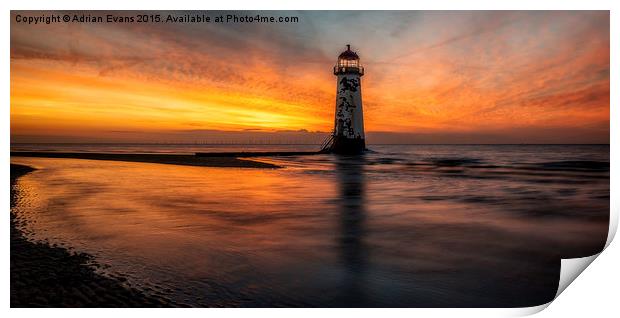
(430, 77)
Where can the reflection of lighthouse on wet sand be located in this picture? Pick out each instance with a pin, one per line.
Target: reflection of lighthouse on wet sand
(348, 134)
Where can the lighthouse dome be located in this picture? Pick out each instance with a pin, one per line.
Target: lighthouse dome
(348, 54)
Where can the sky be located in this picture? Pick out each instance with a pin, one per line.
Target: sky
(430, 77)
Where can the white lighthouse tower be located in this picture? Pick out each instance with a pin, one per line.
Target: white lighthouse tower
(348, 134)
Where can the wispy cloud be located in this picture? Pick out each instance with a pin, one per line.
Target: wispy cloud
(438, 72)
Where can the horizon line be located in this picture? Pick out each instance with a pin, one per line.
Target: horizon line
(298, 144)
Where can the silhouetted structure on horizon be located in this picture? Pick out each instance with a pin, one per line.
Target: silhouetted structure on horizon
(348, 134)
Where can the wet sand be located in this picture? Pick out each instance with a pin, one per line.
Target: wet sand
(52, 276)
(185, 160)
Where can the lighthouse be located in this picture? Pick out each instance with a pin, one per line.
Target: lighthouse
(348, 134)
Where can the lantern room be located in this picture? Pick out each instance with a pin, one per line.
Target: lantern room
(348, 62)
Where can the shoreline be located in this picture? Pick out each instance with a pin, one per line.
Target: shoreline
(51, 276)
(172, 159)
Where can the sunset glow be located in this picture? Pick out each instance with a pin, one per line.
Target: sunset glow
(493, 76)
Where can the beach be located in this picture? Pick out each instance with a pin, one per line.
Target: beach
(174, 159)
(43, 275)
(402, 226)
(48, 275)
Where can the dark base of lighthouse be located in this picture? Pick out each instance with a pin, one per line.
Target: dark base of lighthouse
(347, 146)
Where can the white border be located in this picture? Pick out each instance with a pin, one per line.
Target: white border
(595, 294)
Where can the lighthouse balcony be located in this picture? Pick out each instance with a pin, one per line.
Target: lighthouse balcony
(348, 70)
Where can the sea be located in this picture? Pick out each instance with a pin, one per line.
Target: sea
(400, 226)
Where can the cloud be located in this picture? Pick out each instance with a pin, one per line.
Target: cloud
(444, 72)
